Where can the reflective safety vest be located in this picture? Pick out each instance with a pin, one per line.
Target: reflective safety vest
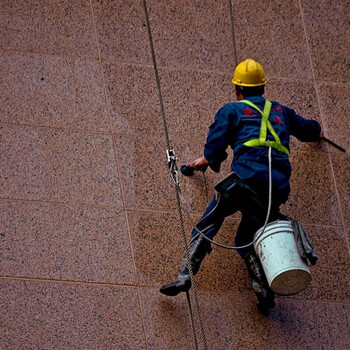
(265, 124)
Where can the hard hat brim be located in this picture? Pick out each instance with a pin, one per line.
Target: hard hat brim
(248, 85)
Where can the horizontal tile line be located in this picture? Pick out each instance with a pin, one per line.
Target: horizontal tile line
(149, 65)
(313, 301)
(111, 133)
(129, 210)
(56, 128)
(81, 131)
(48, 54)
(79, 205)
(77, 282)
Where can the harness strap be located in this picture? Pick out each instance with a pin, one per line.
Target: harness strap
(265, 124)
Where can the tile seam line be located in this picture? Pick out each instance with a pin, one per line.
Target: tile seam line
(323, 123)
(133, 286)
(116, 134)
(63, 129)
(127, 209)
(314, 301)
(167, 67)
(56, 128)
(112, 133)
(63, 281)
(120, 177)
(185, 68)
(49, 54)
(84, 205)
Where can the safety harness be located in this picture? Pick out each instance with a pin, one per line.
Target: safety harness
(265, 124)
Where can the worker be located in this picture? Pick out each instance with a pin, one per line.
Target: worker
(241, 126)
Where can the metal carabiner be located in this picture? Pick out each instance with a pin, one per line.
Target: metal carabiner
(172, 164)
(171, 157)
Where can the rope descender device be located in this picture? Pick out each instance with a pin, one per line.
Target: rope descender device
(172, 164)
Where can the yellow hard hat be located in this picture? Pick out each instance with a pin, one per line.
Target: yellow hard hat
(249, 73)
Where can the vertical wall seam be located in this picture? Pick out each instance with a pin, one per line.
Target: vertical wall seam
(119, 174)
(323, 123)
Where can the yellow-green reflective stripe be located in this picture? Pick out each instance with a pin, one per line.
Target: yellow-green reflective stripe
(265, 121)
(265, 124)
(272, 131)
(273, 144)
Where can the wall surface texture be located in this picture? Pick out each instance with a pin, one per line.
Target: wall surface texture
(89, 226)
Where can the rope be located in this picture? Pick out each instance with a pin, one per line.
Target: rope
(157, 75)
(191, 319)
(233, 32)
(189, 266)
(173, 168)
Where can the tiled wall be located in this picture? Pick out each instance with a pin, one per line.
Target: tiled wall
(89, 228)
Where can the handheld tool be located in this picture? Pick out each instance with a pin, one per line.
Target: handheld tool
(333, 144)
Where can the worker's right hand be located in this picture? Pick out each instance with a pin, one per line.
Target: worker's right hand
(199, 164)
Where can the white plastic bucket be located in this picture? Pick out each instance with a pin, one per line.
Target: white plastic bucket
(285, 271)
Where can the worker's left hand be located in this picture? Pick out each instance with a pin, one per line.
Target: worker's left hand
(199, 164)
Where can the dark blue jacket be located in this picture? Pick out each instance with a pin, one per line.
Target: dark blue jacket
(236, 123)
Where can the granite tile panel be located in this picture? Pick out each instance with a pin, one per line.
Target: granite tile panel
(59, 27)
(158, 247)
(52, 91)
(313, 198)
(229, 321)
(327, 27)
(313, 325)
(330, 280)
(335, 322)
(180, 101)
(273, 34)
(255, 330)
(133, 97)
(48, 315)
(341, 168)
(122, 31)
(63, 166)
(166, 321)
(145, 175)
(192, 33)
(301, 324)
(41, 240)
(347, 315)
(335, 107)
(212, 91)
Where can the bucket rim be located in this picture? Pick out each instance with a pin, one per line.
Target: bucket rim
(284, 226)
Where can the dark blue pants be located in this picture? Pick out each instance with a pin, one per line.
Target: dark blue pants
(253, 218)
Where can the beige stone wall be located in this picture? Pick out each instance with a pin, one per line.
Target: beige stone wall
(89, 228)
